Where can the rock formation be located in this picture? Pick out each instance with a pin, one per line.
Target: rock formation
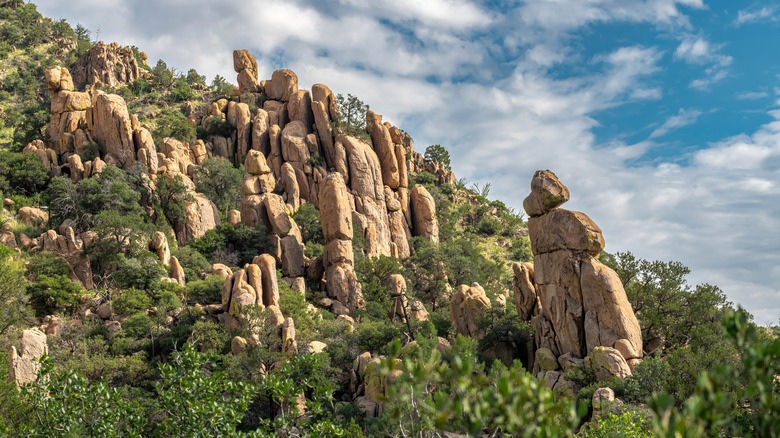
(109, 65)
(467, 306)
(23, 364)
(70, 247)
(336, 219)
(246, 66)
(577, 305)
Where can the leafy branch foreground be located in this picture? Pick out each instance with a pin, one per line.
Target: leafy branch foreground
(428, 392)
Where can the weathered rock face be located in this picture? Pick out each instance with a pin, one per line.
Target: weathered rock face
(200, 215)
(32, 216)
(107, 65)
(467, 306)
(109, 123)
(246, 66)
(159, 245)
(23, 364)
(577, 305)
(385, 149)
(336, 219)
(424, 219)
(282, 85)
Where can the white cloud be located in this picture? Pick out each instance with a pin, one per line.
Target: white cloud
(682, 118)
(751, 95)
(697, 50)
(502, 113)
(756, 15)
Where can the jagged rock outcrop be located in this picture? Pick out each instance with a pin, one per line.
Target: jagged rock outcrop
(336, 218)
(577, 305)
(467, 306)
(23, 364)
(109, 65)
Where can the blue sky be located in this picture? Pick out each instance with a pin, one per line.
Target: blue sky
(661, 116)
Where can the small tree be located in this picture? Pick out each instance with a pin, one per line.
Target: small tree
(221, 182)
(352, 115)
(436, 152)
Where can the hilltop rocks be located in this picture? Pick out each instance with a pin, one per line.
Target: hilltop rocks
(577, 305)
(246, 66)
(424, 219)
(23, 364)
(467, 306)
(282, 85)
(109, 65)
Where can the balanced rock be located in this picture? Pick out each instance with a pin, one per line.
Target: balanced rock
(467, 306)
(547, 192)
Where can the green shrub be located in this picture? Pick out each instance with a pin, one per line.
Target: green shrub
(54, 294)
(438, 153)
(22, 173)
(221, 182)
(140, 272)
(233, 245)
(205, 291)
(193, 262)
(308, 219)
(210, 337)
(131, 301)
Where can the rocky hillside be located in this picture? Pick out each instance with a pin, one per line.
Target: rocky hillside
(274, 261)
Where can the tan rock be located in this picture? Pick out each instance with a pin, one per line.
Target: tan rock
(335, 211)
(546, 360)
(159, 245)
(384, 148)
(176, 271)
(292, 257)
(547, 193)
(315, 347)
(110, 125)
(563, 229)
(289, 344)
(260, 135)
(467, 306)
(237, 345)
(423, 208)
(32, 216)
(282, 85)
(292, 191)
(107, 65)
(294, 148)
(267, 266)
(300, 108)
(324, 131)
(221, 270)
(607, 362)
(234, 217)
(609, 318)
(23, 364)
(526, 299)
(200, 215)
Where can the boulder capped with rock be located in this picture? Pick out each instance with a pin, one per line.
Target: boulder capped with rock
(577, 304)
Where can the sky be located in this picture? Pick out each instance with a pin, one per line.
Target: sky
(661, 116)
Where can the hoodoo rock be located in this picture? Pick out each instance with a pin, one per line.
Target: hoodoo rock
(246, 66)
(577, 305)
(200, 215)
